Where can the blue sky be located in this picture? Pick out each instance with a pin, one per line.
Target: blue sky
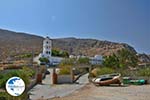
(113, 20)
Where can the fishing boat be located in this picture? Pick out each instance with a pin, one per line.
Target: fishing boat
(108, 79)
(129, 80)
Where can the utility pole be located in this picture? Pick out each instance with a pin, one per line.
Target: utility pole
(32, 58)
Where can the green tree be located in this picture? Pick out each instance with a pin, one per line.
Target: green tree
(60, 53)
(111, 61)
(83, 61)
(63, 54)
(43, 59)
(55, 52)
(127, 58)
(124, 58)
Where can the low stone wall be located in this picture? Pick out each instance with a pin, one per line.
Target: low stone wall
(34, 81)
(64, 79)
(31, 85)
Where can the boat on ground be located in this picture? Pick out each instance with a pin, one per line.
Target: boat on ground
(105, 80)
(128, 80)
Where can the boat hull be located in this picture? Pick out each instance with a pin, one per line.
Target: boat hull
(107, 80)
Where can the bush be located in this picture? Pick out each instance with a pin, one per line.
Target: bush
(6, 96)
(65, 70)
(60, 53)
(83, 61)
(122, 59)
(104, 70)
(30, 72)
(25, 73)
(111, 61)
(144, 72)
(19, 73)
(5, 77)
(65, 66)
(28, 55)
(43, 59)
(67, 61)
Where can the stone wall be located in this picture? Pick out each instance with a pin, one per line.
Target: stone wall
(64, 79)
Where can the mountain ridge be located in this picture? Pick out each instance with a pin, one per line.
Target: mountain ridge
(20, 42)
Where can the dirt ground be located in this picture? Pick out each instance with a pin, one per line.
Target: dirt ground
(92, 92)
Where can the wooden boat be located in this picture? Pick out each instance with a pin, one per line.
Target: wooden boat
(108, 79)
(128, 80)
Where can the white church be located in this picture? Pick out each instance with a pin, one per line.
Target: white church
(47, 52)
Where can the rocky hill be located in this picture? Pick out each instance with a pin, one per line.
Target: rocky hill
(144, 58)
(12, 43)
(89, 47)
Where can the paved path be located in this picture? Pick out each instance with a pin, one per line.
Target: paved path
(46, 90)
(47, 80)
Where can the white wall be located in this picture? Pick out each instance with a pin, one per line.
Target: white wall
(64, 79)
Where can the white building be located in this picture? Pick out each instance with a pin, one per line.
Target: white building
(47, 52)
(96, 60)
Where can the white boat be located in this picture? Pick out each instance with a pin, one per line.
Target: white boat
(108, 79)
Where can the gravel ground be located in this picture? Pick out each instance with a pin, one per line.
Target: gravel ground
(91, 92)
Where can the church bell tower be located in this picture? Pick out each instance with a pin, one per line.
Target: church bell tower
(47, 47)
